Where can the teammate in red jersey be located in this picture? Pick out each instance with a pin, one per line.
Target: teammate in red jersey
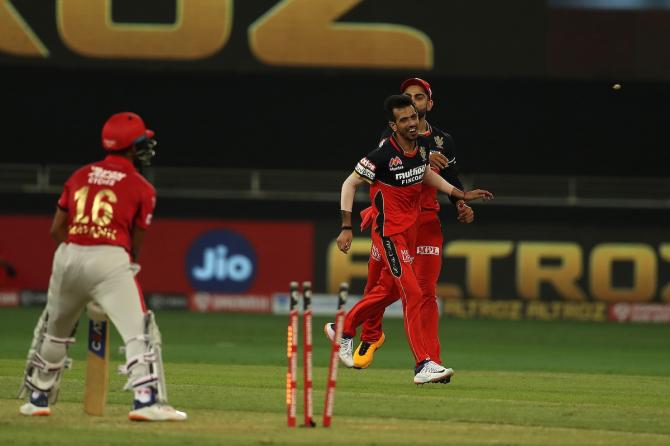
(396, 171)
(99, 226)
(428, 260)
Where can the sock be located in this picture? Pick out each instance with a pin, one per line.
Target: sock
(143, 395)
(420, 365)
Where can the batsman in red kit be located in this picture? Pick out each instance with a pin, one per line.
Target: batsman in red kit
(395, 171)
(102, 215)
(428, 261)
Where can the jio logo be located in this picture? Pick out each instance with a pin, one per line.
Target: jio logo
(221, 261)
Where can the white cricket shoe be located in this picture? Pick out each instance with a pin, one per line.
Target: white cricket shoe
(432, 372)
(346, 345)
(157, 412)
(32, 410)
(37, 405)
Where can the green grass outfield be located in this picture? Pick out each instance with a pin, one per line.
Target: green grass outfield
(516, 383)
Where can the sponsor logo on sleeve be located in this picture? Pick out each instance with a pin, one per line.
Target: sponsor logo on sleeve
(439, 142)
(364, 172)
(368, 164)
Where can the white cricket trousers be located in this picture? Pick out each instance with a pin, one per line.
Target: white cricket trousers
(101, 273)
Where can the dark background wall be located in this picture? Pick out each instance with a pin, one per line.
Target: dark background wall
(523, 86)
(304, 121)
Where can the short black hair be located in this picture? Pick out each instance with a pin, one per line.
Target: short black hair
(396, 101)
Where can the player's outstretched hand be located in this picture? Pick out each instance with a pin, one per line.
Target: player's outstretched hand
(465, 212)
(478, 193)
(438, 160)
(344, 240)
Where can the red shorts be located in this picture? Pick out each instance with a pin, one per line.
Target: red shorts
(395, 279)
(427, 265)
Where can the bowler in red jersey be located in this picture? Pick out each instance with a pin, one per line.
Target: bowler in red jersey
(395, 171)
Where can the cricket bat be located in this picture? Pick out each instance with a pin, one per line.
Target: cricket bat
(97, 367)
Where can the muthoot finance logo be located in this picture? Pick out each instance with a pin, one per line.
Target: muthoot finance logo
(221, 261)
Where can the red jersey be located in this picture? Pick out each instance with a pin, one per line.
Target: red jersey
(437, 141)
(395, 184)
(105, 201)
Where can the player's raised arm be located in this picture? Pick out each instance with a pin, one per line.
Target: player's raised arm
(433, 179)
(349, 187)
